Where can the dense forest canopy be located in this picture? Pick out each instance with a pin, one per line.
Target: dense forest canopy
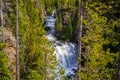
(100, 58)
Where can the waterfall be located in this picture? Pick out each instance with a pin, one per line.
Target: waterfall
(66, 52)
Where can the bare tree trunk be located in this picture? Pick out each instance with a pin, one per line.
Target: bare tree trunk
(45, 71)
(2, 20)
(118, 72)
(80, 39)
(17, 43)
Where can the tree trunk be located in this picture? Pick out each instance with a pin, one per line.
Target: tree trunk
(17, 43)
(118, 72)
(45, 71)
(2, 20)
(79, 39)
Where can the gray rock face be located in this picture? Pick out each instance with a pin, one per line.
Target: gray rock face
(10, 51)
(8, 38)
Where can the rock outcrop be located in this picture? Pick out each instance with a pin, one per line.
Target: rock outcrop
(10, 50)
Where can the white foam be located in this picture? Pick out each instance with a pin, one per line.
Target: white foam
(66, 52)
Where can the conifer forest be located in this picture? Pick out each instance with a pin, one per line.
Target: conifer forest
(59, 39)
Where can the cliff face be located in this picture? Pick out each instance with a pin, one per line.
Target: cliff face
(8, 38)
(10, 50)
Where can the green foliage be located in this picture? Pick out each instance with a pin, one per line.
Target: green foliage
(65, 14)
(33, 75)
(101, 36)
(100, 63)
(34, 46)
(4, 71)
(67, 33)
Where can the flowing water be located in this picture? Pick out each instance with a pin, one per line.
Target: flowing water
(66, 52)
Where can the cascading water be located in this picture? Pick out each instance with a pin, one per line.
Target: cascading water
(66, 52)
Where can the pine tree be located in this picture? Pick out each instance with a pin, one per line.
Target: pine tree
(97, 60)
(4, 70)
(100, 38)
(17, 43)
(34, 47)
(80, 38)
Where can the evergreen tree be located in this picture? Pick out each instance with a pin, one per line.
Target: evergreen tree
(36, 48)
(4, 70)
(100, 42)
(97, 60)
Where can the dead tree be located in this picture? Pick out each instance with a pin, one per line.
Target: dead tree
(1, 3)
(118, 71)
(17, 43)
(79, 38)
